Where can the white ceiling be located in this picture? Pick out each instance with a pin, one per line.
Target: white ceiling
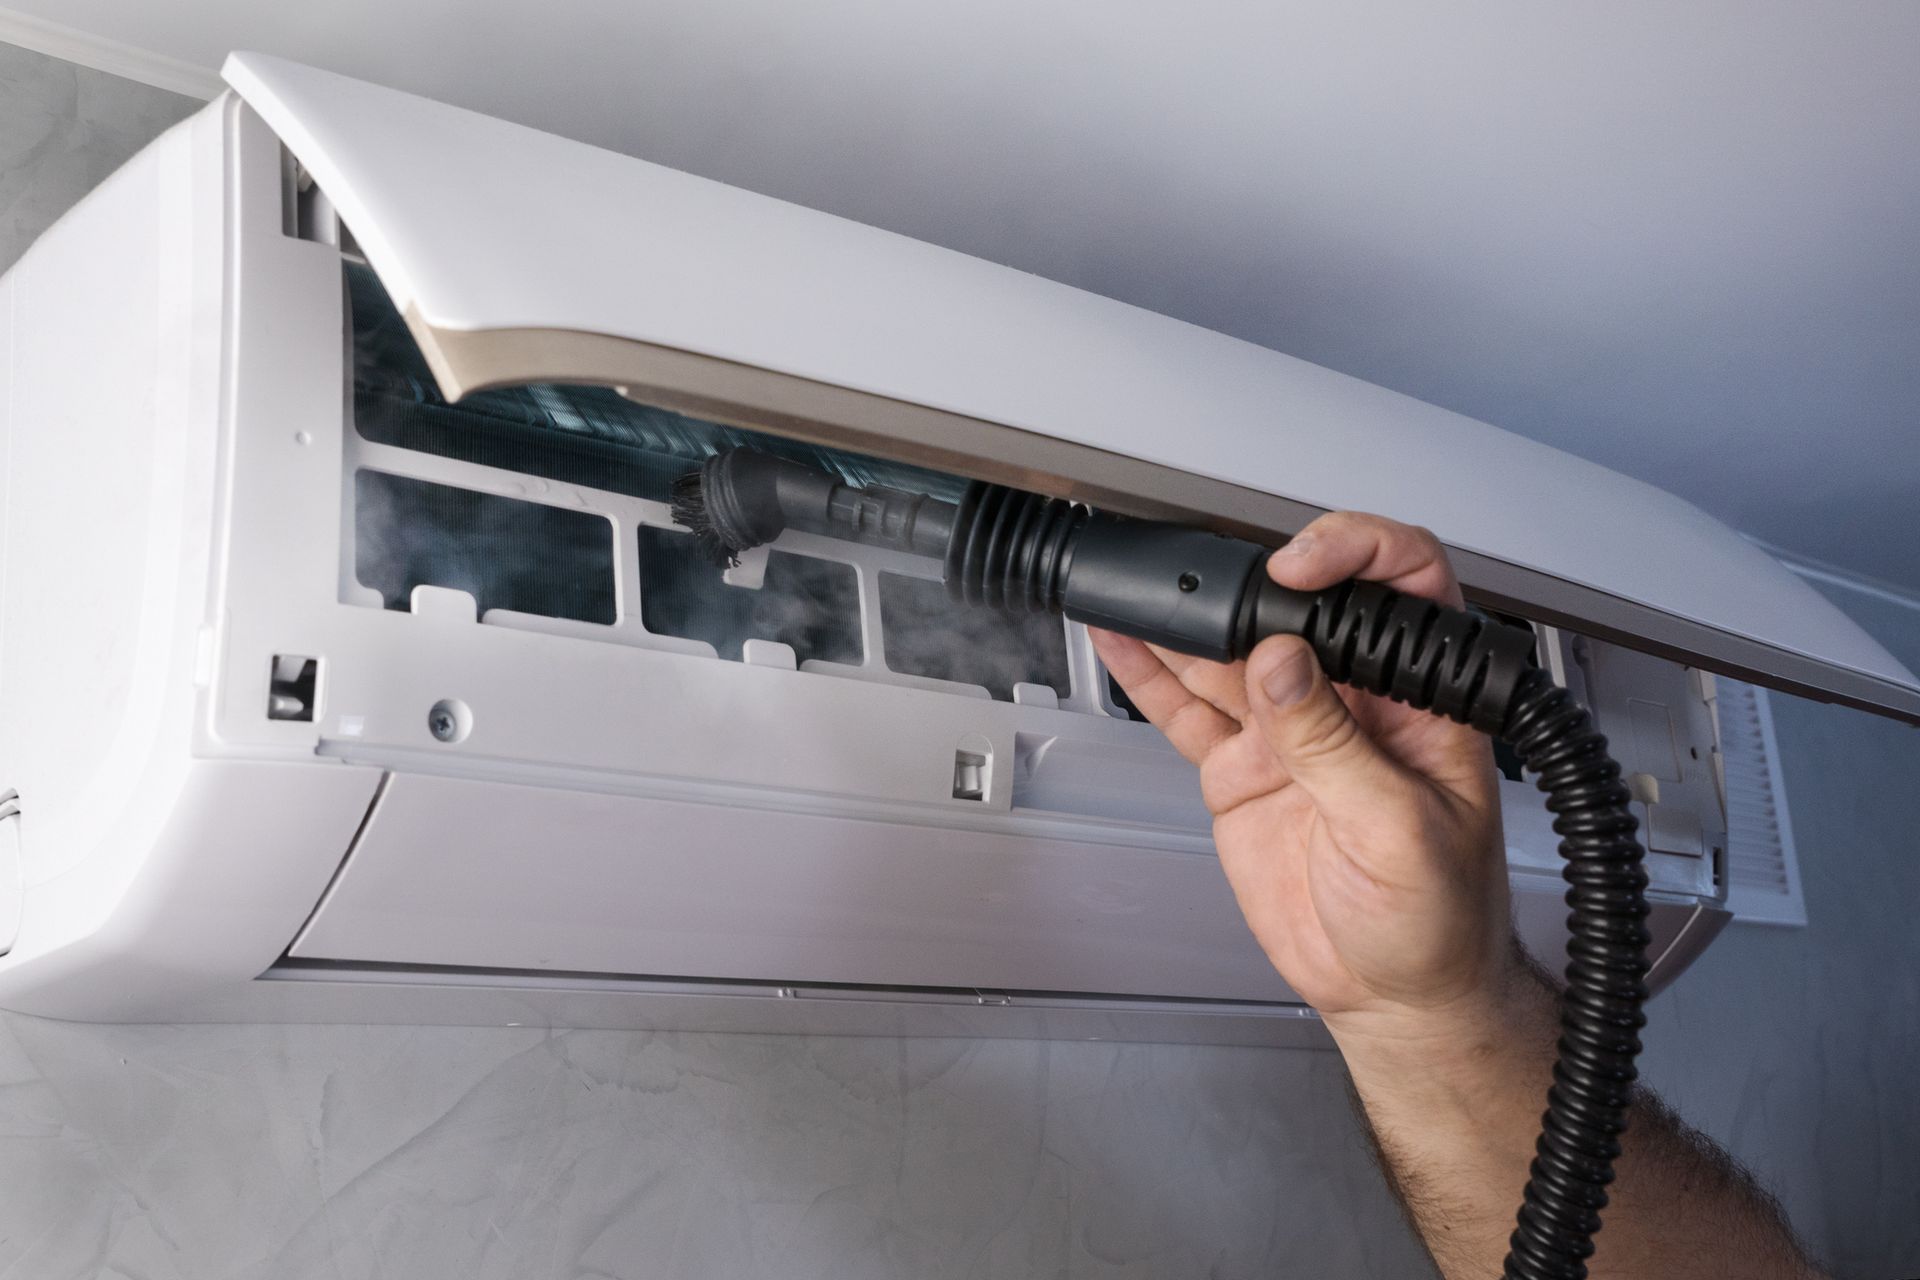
(1682, 239)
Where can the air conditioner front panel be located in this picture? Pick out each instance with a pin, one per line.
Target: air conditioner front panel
(702, 296)
(631, 821)
(460, 873)
(452, 874)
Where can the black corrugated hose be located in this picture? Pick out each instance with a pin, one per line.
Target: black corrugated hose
(1600, 1017)
(1478, 671)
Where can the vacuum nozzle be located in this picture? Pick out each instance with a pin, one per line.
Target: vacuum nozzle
(741, 498)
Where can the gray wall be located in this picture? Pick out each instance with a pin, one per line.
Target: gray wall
(353, 1152)
(62, 129)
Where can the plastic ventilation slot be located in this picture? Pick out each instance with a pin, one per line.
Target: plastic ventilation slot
(1762, 870)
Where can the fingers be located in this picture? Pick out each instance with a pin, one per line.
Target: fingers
(1310, 730)
(1221, 683)
(1349, 544)
(1192, 724)
(1240, 769)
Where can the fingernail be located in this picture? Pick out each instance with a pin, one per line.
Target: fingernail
(1290, 679)
(1298, 545)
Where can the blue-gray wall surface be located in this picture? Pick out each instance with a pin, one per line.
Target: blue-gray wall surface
(349, 1153)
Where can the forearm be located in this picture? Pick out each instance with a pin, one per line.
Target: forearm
(1454, 1100)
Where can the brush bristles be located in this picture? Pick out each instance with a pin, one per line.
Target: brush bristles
(688, 504)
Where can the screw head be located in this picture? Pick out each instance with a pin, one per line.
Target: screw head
(449, 720)
(1189, 582)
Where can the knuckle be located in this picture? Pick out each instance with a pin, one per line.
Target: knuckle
(1182, 714)
(1339, 524)
(1216, 773)
(1239, 769)
(1324, 731)
(1193, 727)
(1161, 681)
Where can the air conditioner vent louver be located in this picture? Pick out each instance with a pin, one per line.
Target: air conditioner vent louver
(1763, 874)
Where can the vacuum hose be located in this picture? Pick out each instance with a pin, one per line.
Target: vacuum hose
(1207, 594)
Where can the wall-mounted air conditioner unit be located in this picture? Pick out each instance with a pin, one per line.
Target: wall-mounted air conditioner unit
(352, 667)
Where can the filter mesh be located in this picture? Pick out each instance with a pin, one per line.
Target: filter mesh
(810, 604)
(505, 553)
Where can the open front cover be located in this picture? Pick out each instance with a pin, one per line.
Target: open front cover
(582, 264)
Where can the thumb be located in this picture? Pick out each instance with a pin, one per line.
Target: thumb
(1323, 749)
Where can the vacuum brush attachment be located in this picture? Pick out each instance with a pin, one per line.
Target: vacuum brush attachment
(1208, 594)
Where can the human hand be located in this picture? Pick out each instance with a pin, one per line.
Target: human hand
(1361, 837)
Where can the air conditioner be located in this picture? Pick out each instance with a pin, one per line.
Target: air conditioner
(351, 667)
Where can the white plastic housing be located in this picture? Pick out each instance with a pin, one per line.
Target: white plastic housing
(616, 827)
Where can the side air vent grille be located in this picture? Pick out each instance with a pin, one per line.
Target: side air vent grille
(1763, 874)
